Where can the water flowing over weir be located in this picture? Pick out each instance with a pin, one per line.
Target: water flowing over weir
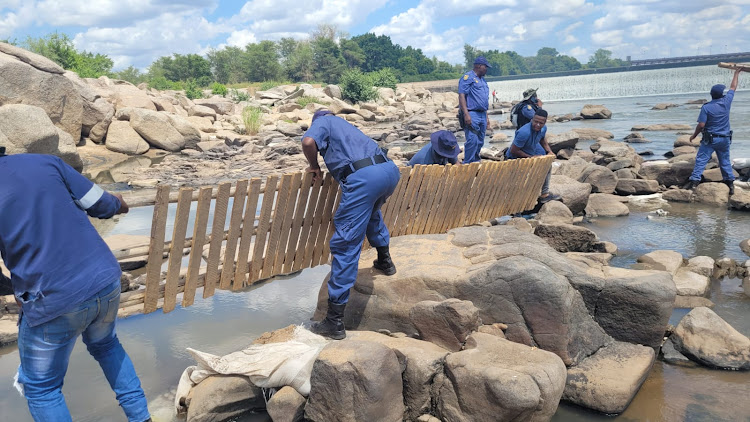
(680, 80)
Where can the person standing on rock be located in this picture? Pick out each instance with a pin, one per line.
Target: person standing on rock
(713, 122)
(473, 102)
(524, 111)
(531, 141)
(443, 149)
(66, 280)
(367, 178)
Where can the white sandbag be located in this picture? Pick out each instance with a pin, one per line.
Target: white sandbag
(740, 163)
(272, 365)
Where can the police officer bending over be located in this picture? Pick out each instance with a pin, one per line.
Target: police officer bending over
(367, 178)
(442, 149)
(713, 121)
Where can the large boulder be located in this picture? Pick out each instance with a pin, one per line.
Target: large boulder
(568, 238)
(497, 380)
(601, 179)
(97, 111)
(712, 194)
(636, 187)
(608, 380)
(591, 111)
(287, 405)
(222, 397)
(689, 283)
(191, 134)
(28, 129)
(667, 174)
(606, 151)
(123, 94)
(34, 60)
(740, 200)
(707, 339)
(555, 212)
(575, 195)
(446, 323)
(605, 205)
(157, 130)
(662, 260)
(121, 137)
(218, 105)
(23, 83)
(366, 374)
(567, 140)
(588, 133)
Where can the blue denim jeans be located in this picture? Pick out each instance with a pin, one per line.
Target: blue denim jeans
(721, 145)
(45, 351)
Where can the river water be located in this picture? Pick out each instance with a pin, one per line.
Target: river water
(230, 321)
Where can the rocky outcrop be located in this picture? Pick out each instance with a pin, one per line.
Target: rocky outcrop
(662, 260)
(667, 174)
(716, 194)
(555, 212)
(605, 205)
(121, 137)
(157, 130)
(568, 238)
(446, 323)
(575, 195)
(287, 405)
(567, 140)
(636, 187)
(222, 397)
(97, 111)
(591, 111)
(707, 339)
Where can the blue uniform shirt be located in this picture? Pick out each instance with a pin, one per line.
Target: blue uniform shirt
(340, 143)
(477, 91)
(528, 110)
(528, 141)
(715, 114)
(56, 258)
(428, 156)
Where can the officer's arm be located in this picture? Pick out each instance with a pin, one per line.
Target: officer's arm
(518, 152)
(89, 196)
(698, 129)
(546, 147)
(464, 108)
(735, 80)
(310, 149)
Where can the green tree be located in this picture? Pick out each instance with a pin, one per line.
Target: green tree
(352, 53)
(300, 65)
(263, 61)
(182, 68)
(380, 52)
(227, 65)
(60, 49)
(603, 58)
(356, 86)
(329, 64)
(130, 74)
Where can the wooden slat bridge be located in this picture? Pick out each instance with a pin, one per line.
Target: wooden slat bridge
(295, 223)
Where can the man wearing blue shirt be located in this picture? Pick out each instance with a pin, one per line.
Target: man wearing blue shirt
(713, 121)
(531, 141)
(65, 279)
(367, 178)
(474, 99)
(442, 149)
(526, 109)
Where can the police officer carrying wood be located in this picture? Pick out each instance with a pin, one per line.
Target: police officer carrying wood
(713, 122)
(367, 178)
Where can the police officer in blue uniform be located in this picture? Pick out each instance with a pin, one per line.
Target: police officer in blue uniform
(474, 100)
(367, 178)
(526, 109)
(531, 141)
(713, 121)
(442, 149)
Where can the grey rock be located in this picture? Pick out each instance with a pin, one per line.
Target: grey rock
(591, 111)
(636, 187)
(221, 397)
(156, 128)
(575, 195)
(446, 323)
(568, 238)
(605, 205)
(121, 137)
(707, 339)
(555, 212)
(287, 405)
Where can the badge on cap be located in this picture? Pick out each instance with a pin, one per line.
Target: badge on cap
(466, 77)
(529, 107)
(476, 80)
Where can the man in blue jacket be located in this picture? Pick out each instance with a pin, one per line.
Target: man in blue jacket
(531, 141)
(367, 178)
(442, 149)
(65, 279)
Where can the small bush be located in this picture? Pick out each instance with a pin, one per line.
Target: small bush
(219, 89)
(238, 96)
(305, 100)
(253, 118)
(265, 86)
(385, 78)
(357, 86)
(161, 83)
(192, 90)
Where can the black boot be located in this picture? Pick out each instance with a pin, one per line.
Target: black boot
(730, 184)
(692, 184)
(384, 262)
(332, 326)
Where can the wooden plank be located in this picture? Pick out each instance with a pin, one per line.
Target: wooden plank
(326, 255)
(466, 178)
(478, 191)
(264, 223)
(214, 250)
(493, 204)
(397, 199)
(196, 249)
(530, 187)
(446, 201)
(402, 219)
(426, 192)
(509, 187)
(235, 224)
(429, 207)
(282, 199)
(302, 245)
(745, 67)
(175, 252)
(286, 226)
(435, 206)
(484, 212)
(299, 216)
(325, 191)
(325, 222)
(523, 192)
(248, 226)
(513, 190)
(155, 256)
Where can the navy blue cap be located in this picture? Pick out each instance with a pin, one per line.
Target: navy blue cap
(445, 144)
(717, 91)
(320, 113)
(481, 60)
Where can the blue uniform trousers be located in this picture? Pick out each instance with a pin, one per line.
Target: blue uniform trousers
(475, 137)
(721, 145)
(362, 195)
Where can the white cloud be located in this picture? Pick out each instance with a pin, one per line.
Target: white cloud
(113, 13)
(579, 53)
(607, 38)
(241, 38)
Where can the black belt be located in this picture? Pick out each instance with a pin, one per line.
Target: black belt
(348, 169)
(477, 109)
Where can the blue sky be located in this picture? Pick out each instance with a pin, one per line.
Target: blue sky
(136, 32)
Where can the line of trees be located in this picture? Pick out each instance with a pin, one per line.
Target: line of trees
(325, 57)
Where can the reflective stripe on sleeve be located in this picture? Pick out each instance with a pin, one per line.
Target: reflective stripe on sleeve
(91, 197)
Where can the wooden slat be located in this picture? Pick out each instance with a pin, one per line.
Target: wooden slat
(248, 226)
(235, 224)
(264, 223)
(175, 252)
(196, 249)
(299, 254)
(325, 222)
(435, 203)
(426, 192)
(493, 205)
(155, 256)
(393, 204)
(326, 255)
(299, 217)
(529, 185)
(286, 226)
(489, 189)
(455, 195)
(438, 176)
(282, 199)
(523, 183)
(415, 181)
(436, 226)
(466, 177)
(325, 191)
(214, 250)
(476, 192)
